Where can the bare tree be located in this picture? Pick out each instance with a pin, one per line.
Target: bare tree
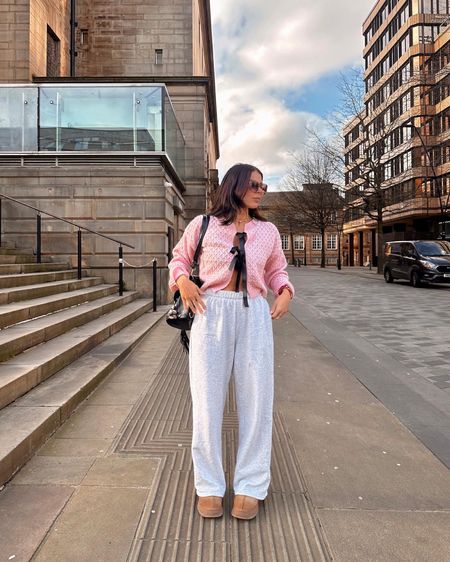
(367, 165)
(311, 191)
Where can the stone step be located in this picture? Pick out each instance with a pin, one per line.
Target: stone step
(29, 421)
(26, 258)
(8, 244)
(23, 372)
(20, 337)
(35, 278)
(11, 268)
(25, 310)
(14, 251)
(13, 294)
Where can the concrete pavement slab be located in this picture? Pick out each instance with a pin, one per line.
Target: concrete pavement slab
(116, 393)
(120, 471)
(375, 459)
(94, 422)
(132, 373)
(387, 536)
(75, 447)
(67, 471)
(26, 515)
(98, 523)
(320, 373)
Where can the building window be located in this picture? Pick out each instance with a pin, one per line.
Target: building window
(332, 242)
(299, 242)
(84, 37)
(407, 134)
(317, 242)
(53, 54)
(388, 143)
(406, 102)
(388, 171)
(407, 160)
(158, 56)
(435, 6)
(285, 242)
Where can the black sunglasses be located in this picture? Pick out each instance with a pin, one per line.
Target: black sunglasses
(255, 186)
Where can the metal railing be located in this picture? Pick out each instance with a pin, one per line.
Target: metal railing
(40, 212)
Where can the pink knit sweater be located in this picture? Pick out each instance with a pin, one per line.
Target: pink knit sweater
(265, 259)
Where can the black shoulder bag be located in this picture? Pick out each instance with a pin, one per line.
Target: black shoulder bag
(177, 316)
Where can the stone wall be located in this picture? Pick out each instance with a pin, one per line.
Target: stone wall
(114, 38)
(14, 40)
(120, 38)
(198, 40)
(56, 15)
(131, 204)
(23, 37)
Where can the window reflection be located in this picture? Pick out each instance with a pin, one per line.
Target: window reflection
(18, 119)
(91, 118)
(101, 119)
(433, 248)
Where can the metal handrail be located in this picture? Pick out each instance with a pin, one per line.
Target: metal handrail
(65, 220)
(78, 226)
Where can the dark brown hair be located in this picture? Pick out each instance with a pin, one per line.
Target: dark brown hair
(229, 196)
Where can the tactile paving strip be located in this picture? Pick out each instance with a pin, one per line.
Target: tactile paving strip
(286, 528)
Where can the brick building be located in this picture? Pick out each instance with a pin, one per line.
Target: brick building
(107, 118)
(407, 77)
(300, 244)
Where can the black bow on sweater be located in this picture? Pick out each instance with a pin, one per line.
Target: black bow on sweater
(239, 263)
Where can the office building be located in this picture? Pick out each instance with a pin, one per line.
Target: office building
(406, 56)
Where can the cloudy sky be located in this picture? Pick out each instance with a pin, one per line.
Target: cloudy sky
(277, 64)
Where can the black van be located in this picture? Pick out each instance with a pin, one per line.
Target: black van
(418, 261)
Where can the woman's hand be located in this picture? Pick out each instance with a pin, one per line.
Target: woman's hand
(190, 295)
(280, 305)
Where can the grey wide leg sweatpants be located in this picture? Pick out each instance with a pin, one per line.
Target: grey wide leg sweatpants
(230, 338)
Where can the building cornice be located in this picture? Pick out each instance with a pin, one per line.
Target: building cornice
(175, 80)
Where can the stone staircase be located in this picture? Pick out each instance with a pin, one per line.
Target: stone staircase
(59, 337)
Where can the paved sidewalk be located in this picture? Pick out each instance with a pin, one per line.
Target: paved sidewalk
(349, 482)
(345, 270)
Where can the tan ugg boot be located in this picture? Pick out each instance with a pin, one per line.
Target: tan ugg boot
(245, 507)
(210, 506)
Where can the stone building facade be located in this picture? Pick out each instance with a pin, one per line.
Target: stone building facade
(137, 173)
(24, 29)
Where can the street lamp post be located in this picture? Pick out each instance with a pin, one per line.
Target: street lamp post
(443, 209)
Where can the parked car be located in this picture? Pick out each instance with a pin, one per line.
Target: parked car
(418, 261)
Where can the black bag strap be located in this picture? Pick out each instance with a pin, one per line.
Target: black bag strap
(194, 264)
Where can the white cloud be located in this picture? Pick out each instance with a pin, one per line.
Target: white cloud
(263, 51)
(260, 130)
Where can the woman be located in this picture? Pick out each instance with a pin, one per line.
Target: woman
(232, 332)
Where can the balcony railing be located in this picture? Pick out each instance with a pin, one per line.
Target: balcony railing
(90, 118)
